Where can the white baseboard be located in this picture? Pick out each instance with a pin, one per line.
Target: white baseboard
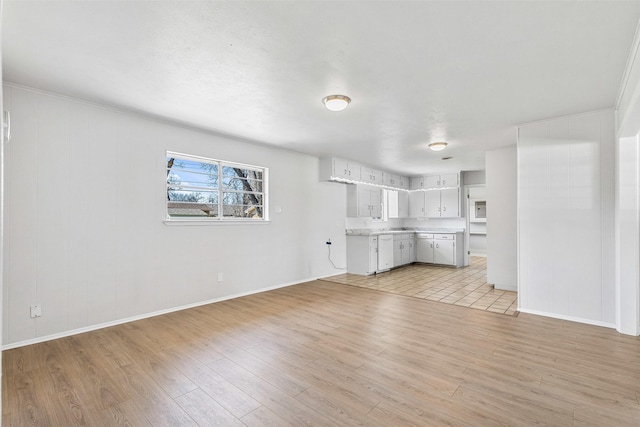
(147, 315)
(569, 318)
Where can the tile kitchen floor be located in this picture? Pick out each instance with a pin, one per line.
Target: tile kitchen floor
(465, 286)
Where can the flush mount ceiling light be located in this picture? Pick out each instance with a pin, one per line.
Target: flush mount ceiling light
(336, 102)
(438, 146)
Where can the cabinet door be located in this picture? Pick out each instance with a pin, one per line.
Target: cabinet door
(366, 174)
(416, 204)
(424, 250)
(402, 182)
(412, 250)
(432, 203)
(340, 168)
(397, 252)
(450, 203)
(364, 201)
(375, 198)
(406, 251)
(444, 252)
(387, 179)
(353, 171)
(449, 180)
(376, 176)
(432, 181)
(369, 175)
(417, 183)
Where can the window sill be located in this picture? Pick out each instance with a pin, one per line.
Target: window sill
(181, 222)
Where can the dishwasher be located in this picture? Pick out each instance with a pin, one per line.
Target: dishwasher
(385, 252)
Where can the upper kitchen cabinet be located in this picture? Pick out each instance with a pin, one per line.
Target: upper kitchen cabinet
(332, 168)
(342, 170)
(417, 204)
(364, 201)
(395, 181)
(444, 203)
(371, 176)
(416, 183)
(346, 169)
(442, 181)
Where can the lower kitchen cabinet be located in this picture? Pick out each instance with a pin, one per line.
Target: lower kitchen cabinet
(444, 249)
(362, 254)
(403, 249)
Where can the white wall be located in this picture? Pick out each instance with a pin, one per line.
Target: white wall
(628, 236)
(85, 204)
(628, 196)
(566, 183)
(502, 249)
(2, 142)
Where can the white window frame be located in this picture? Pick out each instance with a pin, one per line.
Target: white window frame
(220, 219)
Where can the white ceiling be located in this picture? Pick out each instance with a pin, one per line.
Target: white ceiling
(419, 71)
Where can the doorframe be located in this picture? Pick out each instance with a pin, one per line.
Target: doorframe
(467, 214)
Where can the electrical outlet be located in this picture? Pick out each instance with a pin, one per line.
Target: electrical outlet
(36, 311)
(220, 277)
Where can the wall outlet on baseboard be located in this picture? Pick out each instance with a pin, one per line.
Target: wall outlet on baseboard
(35, 311)
(220, 277)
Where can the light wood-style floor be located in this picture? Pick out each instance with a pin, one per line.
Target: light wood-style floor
(466, 286)
(325, 354)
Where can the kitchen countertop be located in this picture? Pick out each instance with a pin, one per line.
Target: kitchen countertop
(376, 232)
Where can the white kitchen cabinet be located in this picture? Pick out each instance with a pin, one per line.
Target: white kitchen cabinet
(440, 248)
(417, 204)
(450, 203)
(362, 254)
(371, 176)
(424, 248)
(333, 167)
(385, 252)
(416, 183)
(444, 251)
(402, 182)
(397, 252)
(346, 169)
(395, 181)
(442, 180)
(443, 203)
(364, 201)
(403, 249)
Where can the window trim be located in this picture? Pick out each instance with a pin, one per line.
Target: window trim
(219, 219)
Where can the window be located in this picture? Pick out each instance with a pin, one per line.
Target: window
(201, 188)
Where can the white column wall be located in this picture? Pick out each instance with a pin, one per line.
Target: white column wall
(566, 188)
(502, 244)
(628, 236)
(85, 204)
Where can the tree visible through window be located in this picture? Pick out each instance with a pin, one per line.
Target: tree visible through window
(214, 189)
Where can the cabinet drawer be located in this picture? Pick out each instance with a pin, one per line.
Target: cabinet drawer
(445, 236)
